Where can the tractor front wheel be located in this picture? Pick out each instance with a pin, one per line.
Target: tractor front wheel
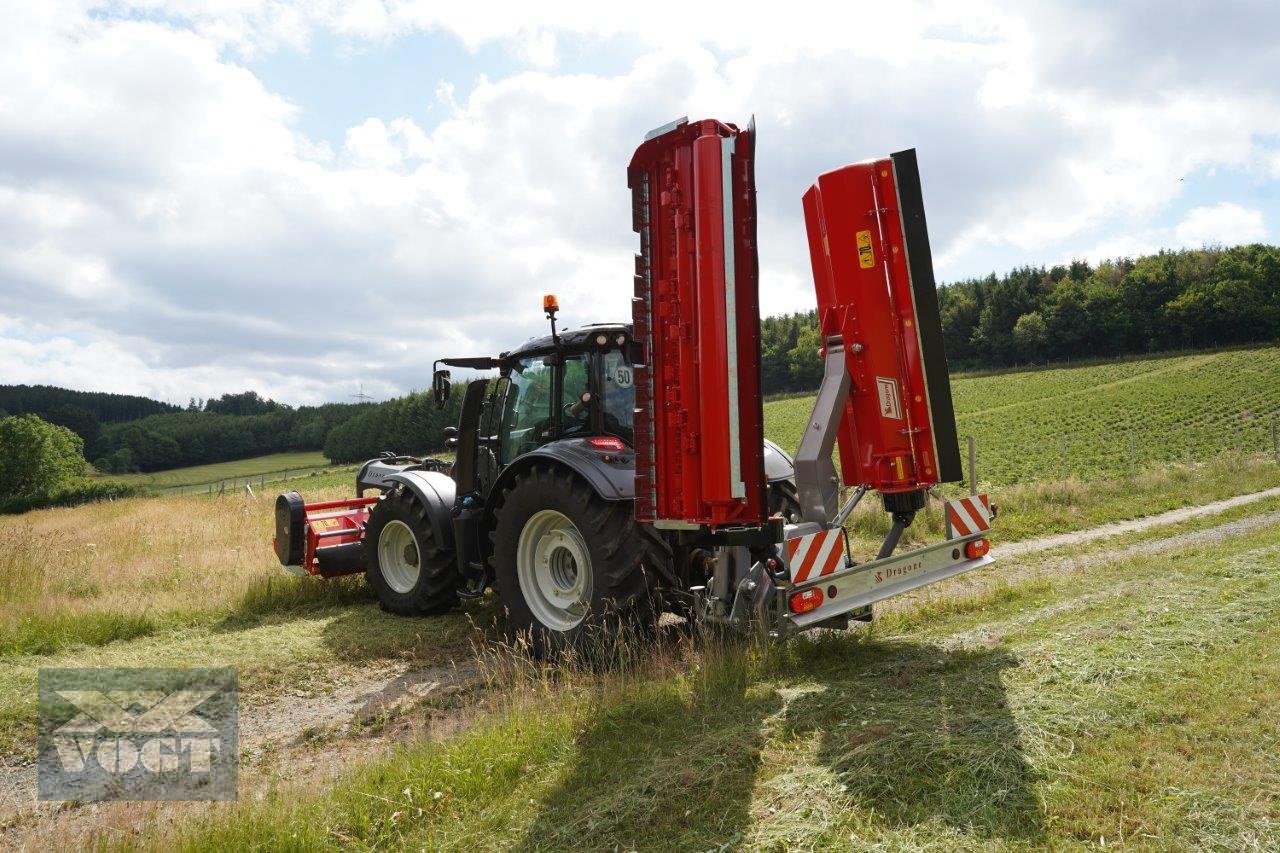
(572, 569)
(411, 575)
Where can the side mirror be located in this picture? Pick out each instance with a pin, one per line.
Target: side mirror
(450, 437)
(441, 387)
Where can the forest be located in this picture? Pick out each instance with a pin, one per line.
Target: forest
(234, 426)
(122, 434)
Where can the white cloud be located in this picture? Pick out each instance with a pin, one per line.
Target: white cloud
(1224, 224)
(163, 219)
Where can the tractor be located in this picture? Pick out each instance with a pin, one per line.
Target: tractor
(607, 474)
(538, 502)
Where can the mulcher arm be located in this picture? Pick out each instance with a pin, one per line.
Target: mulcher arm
(885, 400)
(822, 583)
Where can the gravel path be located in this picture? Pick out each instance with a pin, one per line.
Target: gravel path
(1135, 525)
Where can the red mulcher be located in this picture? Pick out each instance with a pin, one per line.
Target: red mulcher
(611, 472)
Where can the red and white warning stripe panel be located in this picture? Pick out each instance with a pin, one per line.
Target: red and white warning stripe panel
(815, 555)
(968, 515)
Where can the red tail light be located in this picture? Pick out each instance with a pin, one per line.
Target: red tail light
(806, 600)
(607, 443)
(977, 548)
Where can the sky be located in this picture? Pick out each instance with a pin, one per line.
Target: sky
(316, 199)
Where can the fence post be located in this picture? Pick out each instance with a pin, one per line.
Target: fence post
(973, 466)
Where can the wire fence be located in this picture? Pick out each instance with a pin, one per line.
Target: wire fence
(254, 481)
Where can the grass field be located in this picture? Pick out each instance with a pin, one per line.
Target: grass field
(1102, 420)
(1044, 708)
(300, 462)
(1108, 694)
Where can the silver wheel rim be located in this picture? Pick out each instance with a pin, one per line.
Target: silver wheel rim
(554, 570)
(399, 557)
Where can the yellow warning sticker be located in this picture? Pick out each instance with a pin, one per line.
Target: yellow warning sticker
(866, 257)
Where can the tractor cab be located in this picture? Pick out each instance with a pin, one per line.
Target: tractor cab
(575, 384)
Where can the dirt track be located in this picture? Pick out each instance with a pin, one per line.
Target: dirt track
(1135, 525)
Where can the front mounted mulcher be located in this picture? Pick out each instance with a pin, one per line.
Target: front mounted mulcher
(606, 474)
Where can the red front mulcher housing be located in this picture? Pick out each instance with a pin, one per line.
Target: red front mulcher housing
(321, 538)
(873, 276)
(699, 424)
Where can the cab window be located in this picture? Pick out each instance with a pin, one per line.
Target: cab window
(575, 414)
(526, 417)
(619, 395)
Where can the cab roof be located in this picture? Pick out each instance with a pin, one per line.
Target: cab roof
(570, 339)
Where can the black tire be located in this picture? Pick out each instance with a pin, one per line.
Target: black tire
(436, 587)
(625, 561)
(784, 500)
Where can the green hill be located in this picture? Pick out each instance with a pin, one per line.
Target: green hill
(1102, 420)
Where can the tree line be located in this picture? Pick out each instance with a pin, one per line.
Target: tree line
(1188, 299)
(1171, 300)
(42, 464)
(180, 439)
(410, 424)
(105, 407)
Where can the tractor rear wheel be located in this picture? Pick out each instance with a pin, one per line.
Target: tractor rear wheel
(410, 573)
(572, 570)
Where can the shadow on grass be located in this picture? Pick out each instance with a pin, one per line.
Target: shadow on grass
(666, 763)
(917, 734)
(675, 764)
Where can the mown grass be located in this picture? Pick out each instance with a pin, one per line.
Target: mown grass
(1121, 703)
(303, 462)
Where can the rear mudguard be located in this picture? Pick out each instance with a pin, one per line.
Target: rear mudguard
(437, 492)
(611, 474)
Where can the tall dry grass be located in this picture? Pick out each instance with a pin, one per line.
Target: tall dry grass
(108, 571)
(114, 570)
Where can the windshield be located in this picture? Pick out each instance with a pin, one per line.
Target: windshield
(619, 396)
(526, 417)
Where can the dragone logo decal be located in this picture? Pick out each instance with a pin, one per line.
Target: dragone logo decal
(137, 734)
(891, 572)
(890, 401)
